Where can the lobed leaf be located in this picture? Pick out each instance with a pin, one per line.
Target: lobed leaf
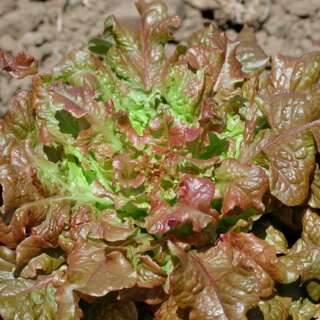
(18, 66)
(242, 185)
(220, 282)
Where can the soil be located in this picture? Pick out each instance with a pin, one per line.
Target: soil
(48, 29)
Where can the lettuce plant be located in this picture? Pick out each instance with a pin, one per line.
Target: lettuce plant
(139, 181)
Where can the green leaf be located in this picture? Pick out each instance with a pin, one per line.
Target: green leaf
(216, 147)
(277, 239)
(99, 46)
(303, 309)
(130, 210)
(280, 308)
(313, 288)
(78, 68)
(7, 259)
(183, 90)
(26, 299)
(234, 132)
(67, 123)
(41, 264)
(228, 222)
(276, 308)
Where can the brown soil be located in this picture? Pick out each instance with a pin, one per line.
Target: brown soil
(48, 29)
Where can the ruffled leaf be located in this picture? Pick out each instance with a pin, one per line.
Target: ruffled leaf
(222, 283)
(22, 299)
(242, 185)
(276, 308)
(249, 53)
(304, 310)
(41, 264)
(280, 308)
(17, 176)
(168, 311)
(164, 218)
(140, 58)
(197, 192)
(290, 182)
(183, 90)
(276, 239)
(43, 230)
(149, 273)
(108, 228)
(302, 259)
(314, 199)
(7, 259)
(217, 146)
(313, 289)
(108, 157)
(292, 163)
(93, 272)
(216, 54)
(18, 66)
(29, 248)
(296, 74)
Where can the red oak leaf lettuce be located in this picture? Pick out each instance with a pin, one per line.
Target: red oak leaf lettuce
(141, 182)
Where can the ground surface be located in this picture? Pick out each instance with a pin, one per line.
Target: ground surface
(49, 29)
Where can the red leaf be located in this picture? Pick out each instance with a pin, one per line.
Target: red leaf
(197, 192)
(18, 66)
